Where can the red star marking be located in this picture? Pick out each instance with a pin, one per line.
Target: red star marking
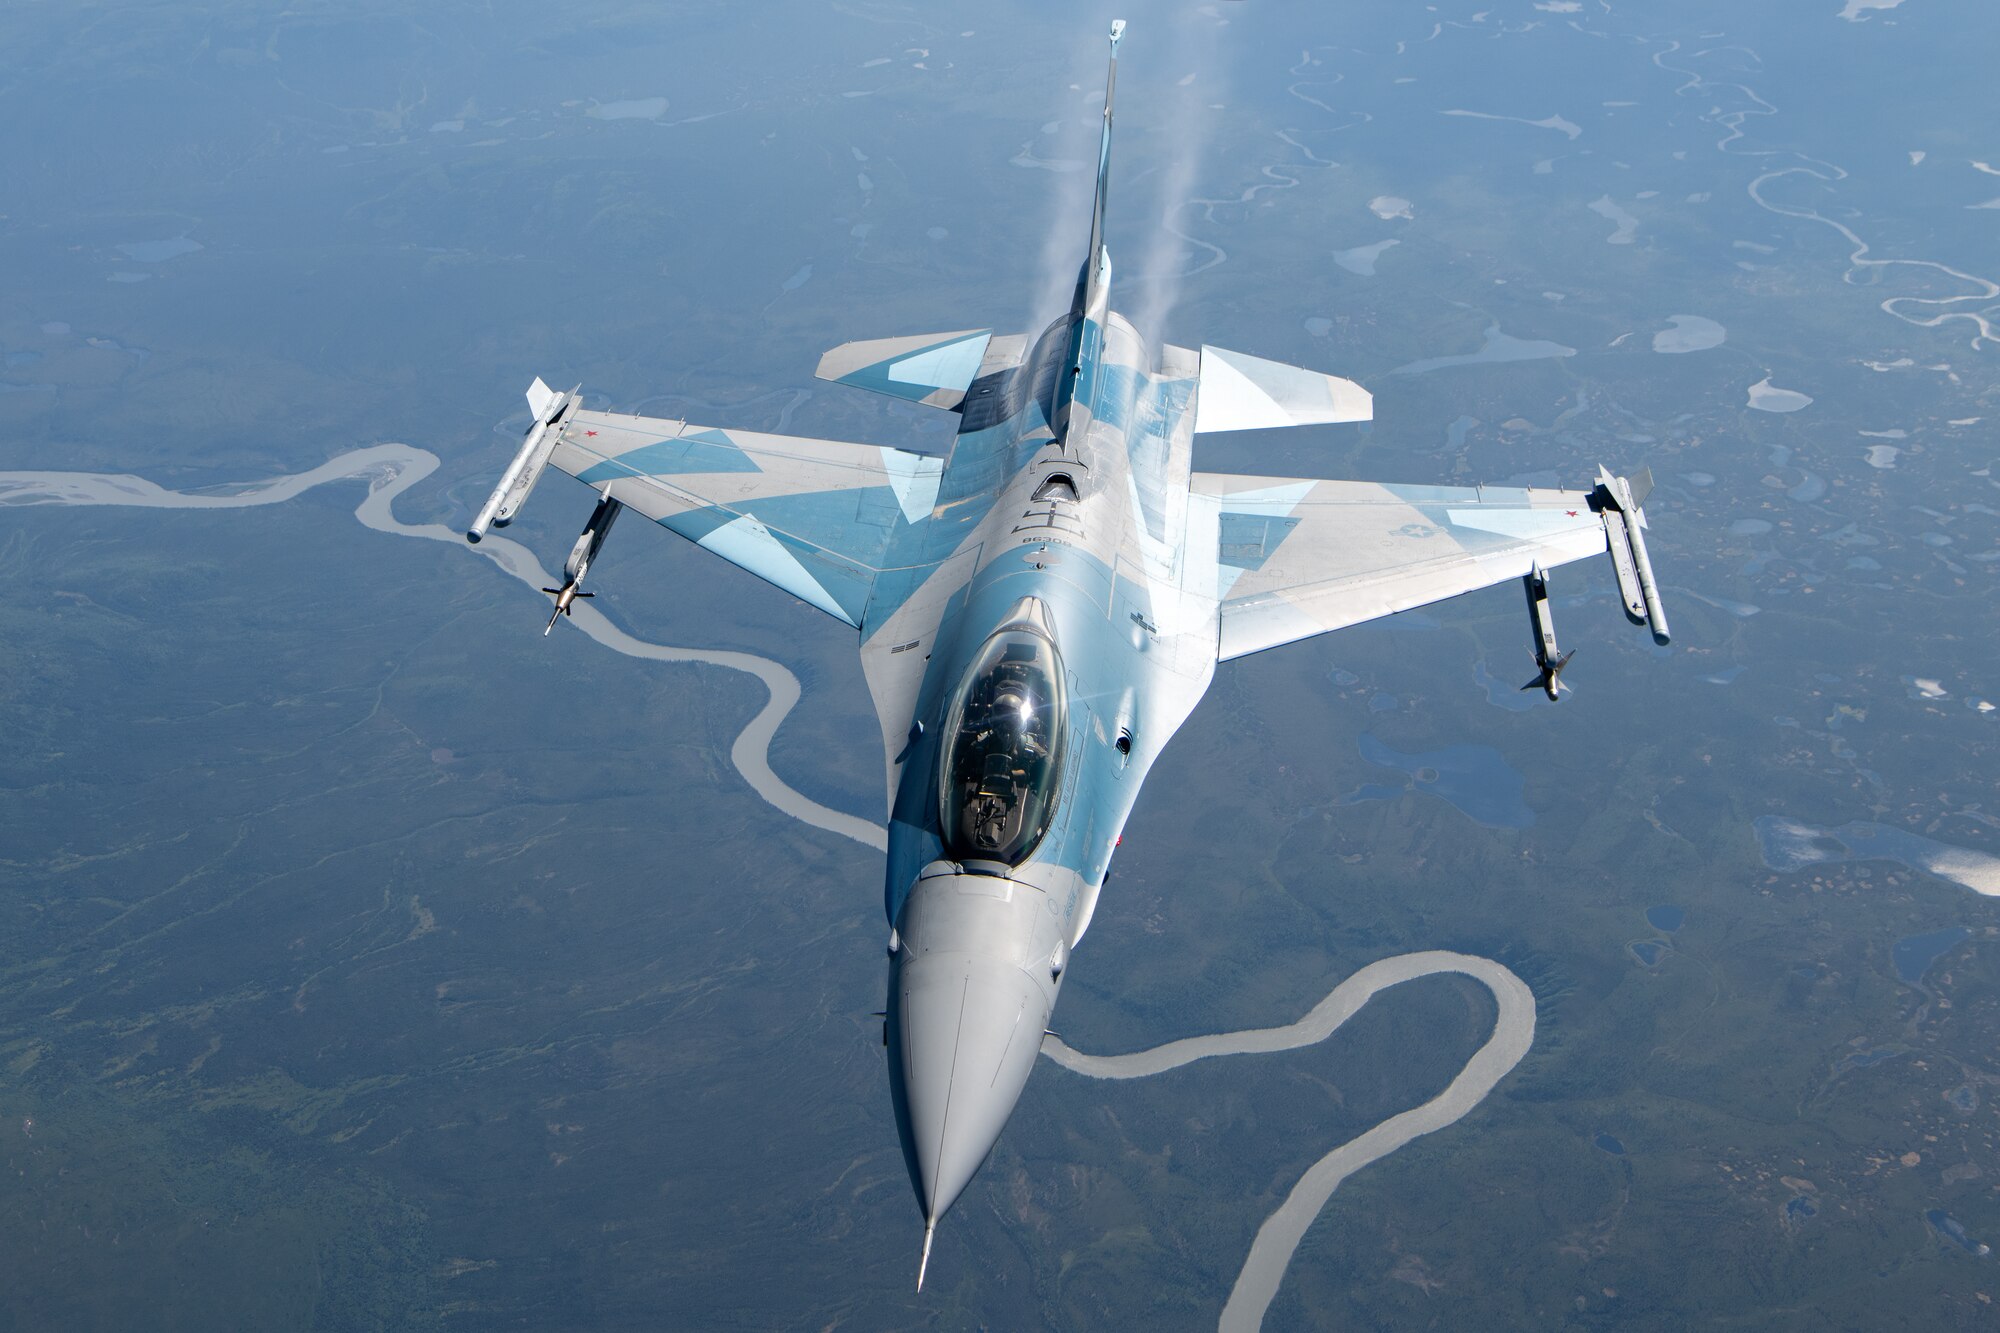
(592, 432)
(1570, 512)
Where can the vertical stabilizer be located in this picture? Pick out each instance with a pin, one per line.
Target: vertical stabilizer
(1093, 282)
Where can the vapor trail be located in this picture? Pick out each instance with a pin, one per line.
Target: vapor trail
(1193, 54)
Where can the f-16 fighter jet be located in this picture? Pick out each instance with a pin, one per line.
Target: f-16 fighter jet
(1040, 607)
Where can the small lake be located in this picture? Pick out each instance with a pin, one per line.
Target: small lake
(1361, 259)
(1788, 845)
(1913, 954)
(1474, 778)
(1501, 694)
(1690, 333)
(1625, 223)
(1951, 1229)
(1863, 1059)
(1497, 347)
(1669, 919)
(1767, 397)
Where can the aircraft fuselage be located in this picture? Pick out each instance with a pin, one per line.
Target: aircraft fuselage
(1088, 444)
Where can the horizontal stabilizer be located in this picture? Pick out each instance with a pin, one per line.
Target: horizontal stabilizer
(1240, 392)
(934, 369)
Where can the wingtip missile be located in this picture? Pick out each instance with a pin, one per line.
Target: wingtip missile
(1625, 536)
(549, 410)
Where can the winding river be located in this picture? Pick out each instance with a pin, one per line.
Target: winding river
(1271, 1252)
(391, 469)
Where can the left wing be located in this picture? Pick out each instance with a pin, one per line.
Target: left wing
(1301, 557)
(814, 517)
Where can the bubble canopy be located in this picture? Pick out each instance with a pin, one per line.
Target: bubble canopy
(1002, 758)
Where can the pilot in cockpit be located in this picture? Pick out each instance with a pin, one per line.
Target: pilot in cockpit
(1000, 766)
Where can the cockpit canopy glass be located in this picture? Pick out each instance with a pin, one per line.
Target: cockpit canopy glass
(1003, 750)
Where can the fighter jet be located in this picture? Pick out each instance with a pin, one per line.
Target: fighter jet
(1040, 605)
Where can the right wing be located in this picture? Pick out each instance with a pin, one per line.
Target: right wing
(1301, 557)
(814, 517)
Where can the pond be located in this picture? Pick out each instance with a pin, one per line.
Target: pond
(1474, 778)
(1913, 954)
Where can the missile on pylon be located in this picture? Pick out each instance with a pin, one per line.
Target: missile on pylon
(1635, 530)
(1549, 662)
(550, 410)
(588, 544)
(1618, 541)
(1624, 532)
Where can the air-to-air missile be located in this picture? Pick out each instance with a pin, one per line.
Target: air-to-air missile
(1625, 529)
(550, 410)
(588, 544)
(1617, 502)
(1549, 662)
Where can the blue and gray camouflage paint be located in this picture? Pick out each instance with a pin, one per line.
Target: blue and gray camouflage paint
(1040, 609)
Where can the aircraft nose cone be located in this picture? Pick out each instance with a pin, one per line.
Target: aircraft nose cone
(965, 1034)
